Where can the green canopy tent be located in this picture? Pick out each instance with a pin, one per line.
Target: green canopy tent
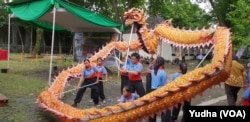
(59, 15)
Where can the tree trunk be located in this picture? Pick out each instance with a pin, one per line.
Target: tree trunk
(39, 34)
(20, 36)
(31, 40)
(221, 22)
(59, 44)
(44, 44)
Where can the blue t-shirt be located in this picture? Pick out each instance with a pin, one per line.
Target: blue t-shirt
(129, 62)
(101, 70)
(133, 97)
(159, 79)
(89, 73)
(246, 94)
(176, 75)
(248, 76)
(135, 67)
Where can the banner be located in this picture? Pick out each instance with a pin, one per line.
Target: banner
(78, 47)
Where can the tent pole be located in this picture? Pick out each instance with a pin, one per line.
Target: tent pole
(52, 44)
(129, 44)
(119, 54)
(8, 65)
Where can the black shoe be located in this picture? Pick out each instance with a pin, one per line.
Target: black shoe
(74, 105)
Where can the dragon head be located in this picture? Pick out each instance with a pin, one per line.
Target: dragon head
(134, 15)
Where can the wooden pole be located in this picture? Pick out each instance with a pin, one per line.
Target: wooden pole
(130, 38)
(36, 57)
(21, 57)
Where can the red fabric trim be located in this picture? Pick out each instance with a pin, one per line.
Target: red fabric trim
(245, 102)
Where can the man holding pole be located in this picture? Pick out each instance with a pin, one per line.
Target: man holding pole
(134, 74)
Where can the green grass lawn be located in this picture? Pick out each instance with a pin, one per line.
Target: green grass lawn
(22, 84)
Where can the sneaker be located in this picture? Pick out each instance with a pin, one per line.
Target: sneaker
(74, 105)
(97, 105)
(103, 101)
(91, 100)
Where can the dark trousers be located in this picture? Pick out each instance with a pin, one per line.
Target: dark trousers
(165, 117)
(176, 111)
(183, 59)
(81, 91)
(124, 81)
(101, 90)
(176, 61)
(232, 94)
(148, 83)
(137, 87)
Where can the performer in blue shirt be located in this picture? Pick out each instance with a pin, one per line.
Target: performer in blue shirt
(159, 79)
(134, 74)
(176, 110)
(148, 75)
(88, 77)
(124, 75)
(101, 72)
(246, 97)
(128, 95)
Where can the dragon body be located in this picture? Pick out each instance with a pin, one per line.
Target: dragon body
(183, 88)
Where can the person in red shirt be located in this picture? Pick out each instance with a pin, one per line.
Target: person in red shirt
(101, 72)
(88, 77)
(134, 71)
(148, 75)
(124, 75)
(246, 97)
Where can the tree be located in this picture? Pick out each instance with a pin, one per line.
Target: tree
(113, 9)
(232, 14)
(3, 14)
(39, 36)
(182, 12)
(240, 22)
(220, 10)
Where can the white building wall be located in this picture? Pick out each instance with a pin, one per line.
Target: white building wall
(166, 51)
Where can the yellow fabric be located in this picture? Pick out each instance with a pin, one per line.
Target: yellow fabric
(238, 75)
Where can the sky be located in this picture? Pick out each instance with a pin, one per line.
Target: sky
(204, 4)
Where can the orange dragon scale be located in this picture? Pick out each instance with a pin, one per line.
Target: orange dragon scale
(183, 88)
